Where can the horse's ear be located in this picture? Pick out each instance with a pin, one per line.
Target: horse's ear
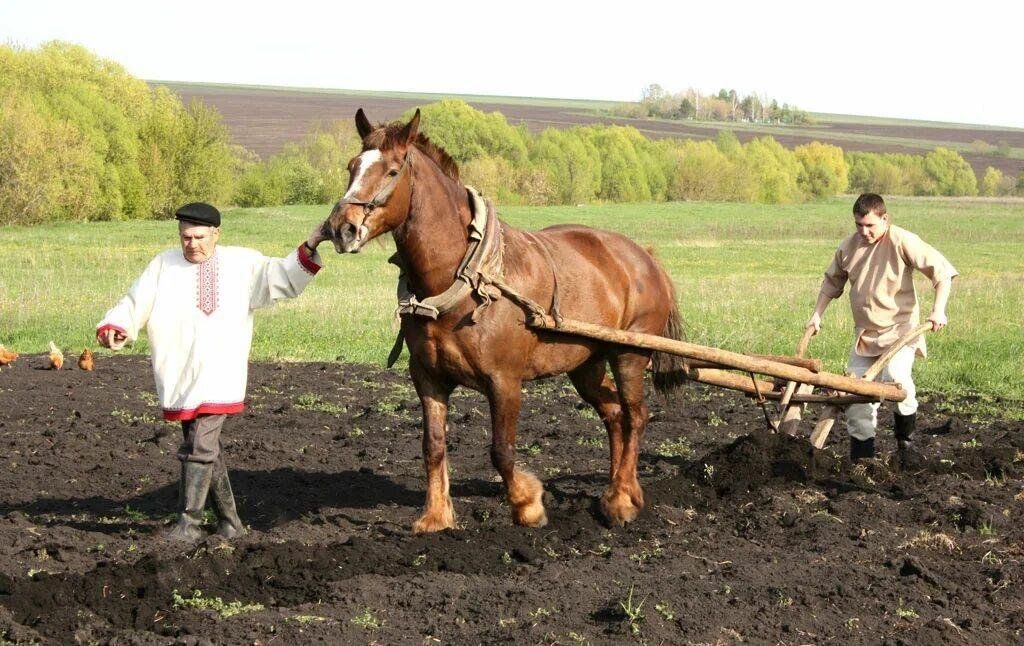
(411, 129)
(363, 125)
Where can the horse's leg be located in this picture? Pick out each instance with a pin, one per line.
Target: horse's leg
(439, 513)
(524, 489)
(598, 389)
(624, 498)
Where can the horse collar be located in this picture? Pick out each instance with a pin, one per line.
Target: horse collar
(479, 267)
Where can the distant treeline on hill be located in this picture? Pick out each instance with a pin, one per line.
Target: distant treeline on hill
(80, 139)
(727, 105)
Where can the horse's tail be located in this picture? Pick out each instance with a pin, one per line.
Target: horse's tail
(670, 370)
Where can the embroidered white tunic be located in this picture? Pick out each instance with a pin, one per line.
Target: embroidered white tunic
(198, 318)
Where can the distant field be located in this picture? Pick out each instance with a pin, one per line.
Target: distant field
(747, 278)
(263, 119)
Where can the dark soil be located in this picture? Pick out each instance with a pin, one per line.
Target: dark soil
(264, 120)
(746, 536)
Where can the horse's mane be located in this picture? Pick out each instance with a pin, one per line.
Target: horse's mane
(387, 137)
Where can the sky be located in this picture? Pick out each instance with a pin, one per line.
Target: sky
(918, 60)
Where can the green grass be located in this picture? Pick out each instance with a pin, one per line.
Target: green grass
(747, 277)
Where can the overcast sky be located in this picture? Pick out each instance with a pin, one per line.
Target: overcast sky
(904, 59)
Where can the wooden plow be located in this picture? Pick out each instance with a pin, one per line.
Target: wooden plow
(797, 376)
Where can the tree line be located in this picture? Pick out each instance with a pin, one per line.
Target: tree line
(81, 139)
(727, 105)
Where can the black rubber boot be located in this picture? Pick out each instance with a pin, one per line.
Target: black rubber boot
(861, 449)
(903, 429)
(195, 484)
(229, 525)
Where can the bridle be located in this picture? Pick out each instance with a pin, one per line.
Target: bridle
(384, 194)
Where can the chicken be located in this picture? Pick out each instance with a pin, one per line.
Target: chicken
(56, 357)
(85, 361)
(6, 356)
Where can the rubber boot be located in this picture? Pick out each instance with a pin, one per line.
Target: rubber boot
(195, 484)
(861, 449)
(229, 525)
(903, 429)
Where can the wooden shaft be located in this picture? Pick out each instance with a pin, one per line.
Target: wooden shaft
(789, 419)
(810, 398)
(731, 380)
(814, 365)
(732, 360)
(824, 426)
(882, 361)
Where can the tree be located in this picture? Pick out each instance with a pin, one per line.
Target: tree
(951, 173)
(823, 170)
(774, 170)
(992, 182)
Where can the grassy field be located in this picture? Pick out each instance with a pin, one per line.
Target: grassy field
(747, 277)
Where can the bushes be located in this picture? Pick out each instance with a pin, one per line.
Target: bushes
(82, 139)
(823, 170)
(701, 171)
(940, 172)
(951, 174)
(313, 171)
(572, 163)
(467, 133)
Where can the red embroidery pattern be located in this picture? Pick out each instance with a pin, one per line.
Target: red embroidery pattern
(206, 297)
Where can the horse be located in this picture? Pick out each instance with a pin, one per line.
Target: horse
(403, 183)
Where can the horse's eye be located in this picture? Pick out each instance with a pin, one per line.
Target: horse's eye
(392, 172)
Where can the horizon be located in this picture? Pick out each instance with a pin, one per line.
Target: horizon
(475, 96)
(906, 64)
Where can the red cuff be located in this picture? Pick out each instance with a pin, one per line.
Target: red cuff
(306, 260)
(101, 331)
(176, 415)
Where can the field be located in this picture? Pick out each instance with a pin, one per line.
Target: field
(747, 276)
(263, 119)
(746, 536)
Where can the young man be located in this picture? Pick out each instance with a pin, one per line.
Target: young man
(878, 262)
(196, 304)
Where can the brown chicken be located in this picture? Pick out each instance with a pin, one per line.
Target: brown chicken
(56, 357)
(85, 361)
(7, 356)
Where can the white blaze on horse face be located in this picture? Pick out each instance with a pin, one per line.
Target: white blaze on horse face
(366, 159)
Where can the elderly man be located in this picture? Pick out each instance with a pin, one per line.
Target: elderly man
(878, 261)
(196, 305)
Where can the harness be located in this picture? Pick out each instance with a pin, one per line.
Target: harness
(481, 272)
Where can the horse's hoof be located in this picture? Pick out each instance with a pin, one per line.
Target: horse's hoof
(636, 496)
(532, 515)
(429, 523)
(618, 508)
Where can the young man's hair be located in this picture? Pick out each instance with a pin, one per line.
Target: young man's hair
(867, 203)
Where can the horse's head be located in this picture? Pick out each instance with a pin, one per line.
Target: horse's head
(379, 188)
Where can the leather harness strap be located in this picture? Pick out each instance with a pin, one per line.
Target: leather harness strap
(481, 272)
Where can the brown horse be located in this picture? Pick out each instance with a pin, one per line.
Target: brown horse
(403, 183)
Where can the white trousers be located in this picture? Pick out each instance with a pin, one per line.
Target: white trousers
(861, 419)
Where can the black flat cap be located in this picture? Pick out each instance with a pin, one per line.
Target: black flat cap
(199, 213)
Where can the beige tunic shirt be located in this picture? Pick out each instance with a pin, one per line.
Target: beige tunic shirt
(882, 294)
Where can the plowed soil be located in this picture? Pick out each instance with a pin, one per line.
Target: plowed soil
(746, 536)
